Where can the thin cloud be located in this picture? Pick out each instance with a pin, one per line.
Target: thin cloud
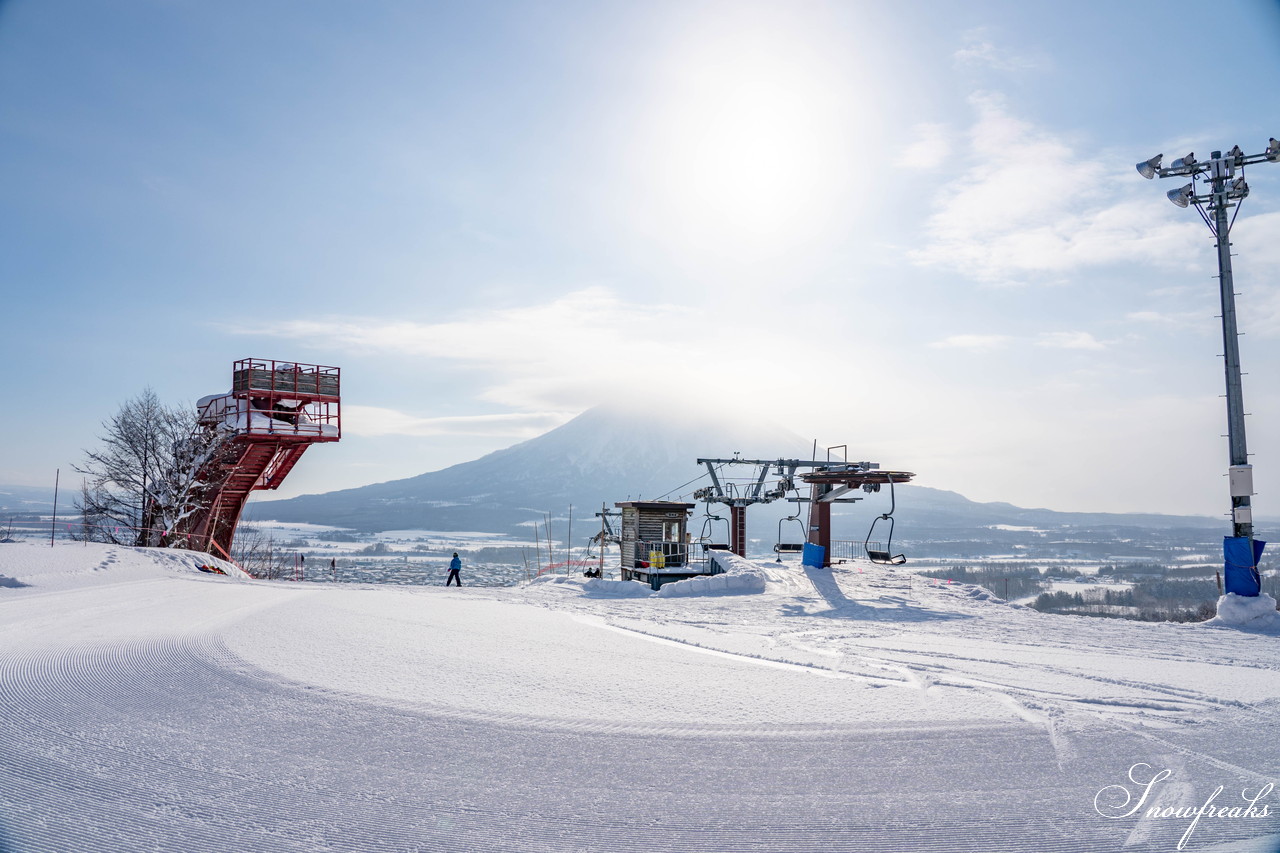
(1257, 272)
(1051, 340)
(1030, 208)
(973, 342)
(978, 50)
(1170, 319)
(370, 421)
(563, 355)
(1070, 340)
(930, 148)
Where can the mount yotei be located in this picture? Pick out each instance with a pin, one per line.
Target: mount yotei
(609, 454)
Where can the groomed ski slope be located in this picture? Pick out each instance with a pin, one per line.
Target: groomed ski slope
(147, 706)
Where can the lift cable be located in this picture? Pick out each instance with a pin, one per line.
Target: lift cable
(682, 485)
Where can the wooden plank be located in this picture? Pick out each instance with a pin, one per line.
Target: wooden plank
(286, 382)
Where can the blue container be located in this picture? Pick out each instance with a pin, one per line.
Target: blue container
(1240, 569)
(813, 555)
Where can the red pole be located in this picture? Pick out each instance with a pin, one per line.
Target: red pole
(820, 521)
(738, 530)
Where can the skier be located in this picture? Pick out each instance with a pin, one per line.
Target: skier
(455, 565)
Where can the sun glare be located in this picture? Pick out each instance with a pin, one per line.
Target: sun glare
(750, 141)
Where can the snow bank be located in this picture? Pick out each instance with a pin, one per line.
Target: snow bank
(1257, 611)
(174, 558)
(594, 587)
(542, 580)
(38, 567)
(617, 589)
(738, 576)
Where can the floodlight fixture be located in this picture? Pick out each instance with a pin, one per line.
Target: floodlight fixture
(1182, 196)
(1236, 155)
(1184, 162)
(1239, 189)
(1273, 150)
(1149, 168)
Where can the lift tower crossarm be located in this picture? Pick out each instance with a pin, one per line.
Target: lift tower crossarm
(764, 472)
(835, 493)
(791, 463)
(715, 481)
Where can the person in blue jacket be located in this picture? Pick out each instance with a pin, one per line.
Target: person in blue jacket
(455, 566)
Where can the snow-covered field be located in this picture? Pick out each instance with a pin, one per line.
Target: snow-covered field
(145, 705)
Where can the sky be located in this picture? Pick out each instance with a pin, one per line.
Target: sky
(914, 228)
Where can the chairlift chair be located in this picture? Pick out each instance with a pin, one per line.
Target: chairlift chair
(875, 555)
(781, 547)
(705, 540)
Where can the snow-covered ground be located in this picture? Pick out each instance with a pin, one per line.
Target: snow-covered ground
(145, 705)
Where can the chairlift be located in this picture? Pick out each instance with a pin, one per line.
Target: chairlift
(704, 537)
(875, 555)
(781, 547)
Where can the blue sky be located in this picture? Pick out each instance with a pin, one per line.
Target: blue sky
(911, 227)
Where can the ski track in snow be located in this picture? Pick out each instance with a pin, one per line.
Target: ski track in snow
(146, 708)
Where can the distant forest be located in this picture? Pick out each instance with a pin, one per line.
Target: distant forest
(1146, 592)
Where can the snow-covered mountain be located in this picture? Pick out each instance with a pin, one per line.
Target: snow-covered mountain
(604, 455)
(608, 454)
(25, 499)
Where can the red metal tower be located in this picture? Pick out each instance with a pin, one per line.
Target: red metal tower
(274, 412)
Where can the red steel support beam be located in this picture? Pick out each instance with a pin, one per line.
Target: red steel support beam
(738, 530)
(820, 521)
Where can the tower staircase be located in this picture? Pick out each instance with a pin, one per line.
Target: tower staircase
(275, 411)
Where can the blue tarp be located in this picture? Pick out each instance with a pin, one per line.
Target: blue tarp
(813, 555)
(1240, 568)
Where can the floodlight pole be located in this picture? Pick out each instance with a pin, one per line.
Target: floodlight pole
(1241, 522)
(1225, 191)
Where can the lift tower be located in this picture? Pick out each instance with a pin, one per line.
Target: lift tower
(830, 482)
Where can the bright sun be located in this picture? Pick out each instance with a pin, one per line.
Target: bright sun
(749, 141)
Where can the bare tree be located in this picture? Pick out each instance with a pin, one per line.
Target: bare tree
(253, 550)
(151, 473)
(97, 521)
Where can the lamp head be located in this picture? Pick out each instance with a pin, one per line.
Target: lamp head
(1148, 168)
(1273, 150)
(1181, 196)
